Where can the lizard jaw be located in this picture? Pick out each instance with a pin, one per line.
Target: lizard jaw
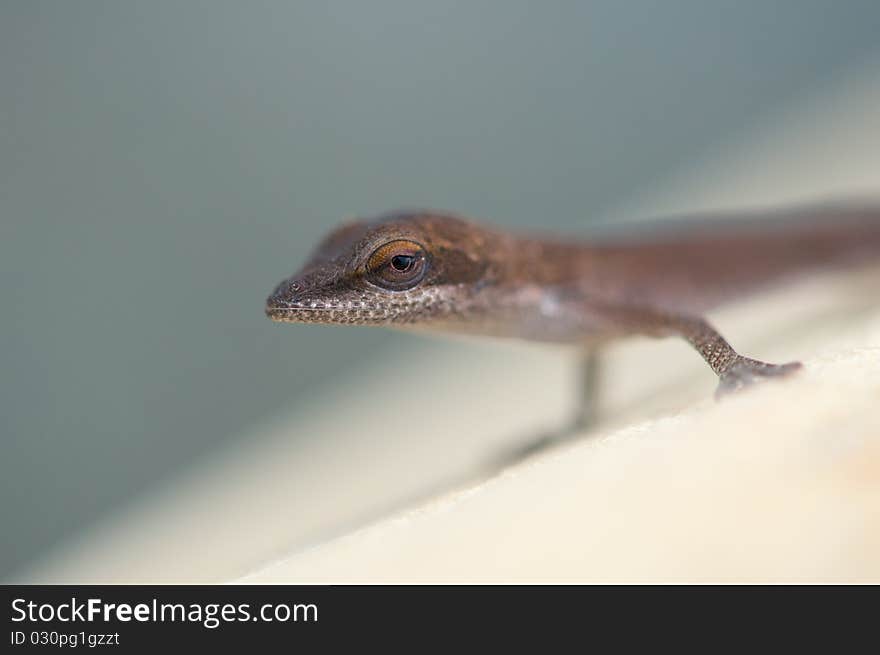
(325, 314)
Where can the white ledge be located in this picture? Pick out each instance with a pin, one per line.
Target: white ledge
(781, 483)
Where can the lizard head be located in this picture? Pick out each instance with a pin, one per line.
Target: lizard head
(404, 268)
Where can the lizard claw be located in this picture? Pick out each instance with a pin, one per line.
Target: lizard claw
(747, 372)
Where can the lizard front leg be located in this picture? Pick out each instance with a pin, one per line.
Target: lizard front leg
(585, 416)
(734, 371)
(589, 373)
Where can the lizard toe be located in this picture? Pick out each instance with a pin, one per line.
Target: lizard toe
(747, 372)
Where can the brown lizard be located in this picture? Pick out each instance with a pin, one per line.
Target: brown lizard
(436, 271)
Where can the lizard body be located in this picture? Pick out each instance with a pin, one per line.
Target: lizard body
(441, 272)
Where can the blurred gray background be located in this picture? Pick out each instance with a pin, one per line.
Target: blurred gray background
(164, 164)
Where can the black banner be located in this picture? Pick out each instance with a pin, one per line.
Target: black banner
(160, 617)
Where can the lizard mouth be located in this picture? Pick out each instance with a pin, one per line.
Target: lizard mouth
(303, 312)
(316, 312)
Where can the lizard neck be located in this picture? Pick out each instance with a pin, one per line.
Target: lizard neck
(533, 289)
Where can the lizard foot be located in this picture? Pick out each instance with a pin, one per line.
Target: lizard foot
(746, 372)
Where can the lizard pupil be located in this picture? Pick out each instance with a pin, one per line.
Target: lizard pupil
(402, 263)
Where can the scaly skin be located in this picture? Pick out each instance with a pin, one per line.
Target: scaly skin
(428, 270)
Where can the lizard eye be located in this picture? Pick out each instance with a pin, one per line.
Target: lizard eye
(402, 263)
(397, 265)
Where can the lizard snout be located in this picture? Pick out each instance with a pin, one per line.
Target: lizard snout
(303, 299)
(286, 296)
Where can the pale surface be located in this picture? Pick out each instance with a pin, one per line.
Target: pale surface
(779, 484)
